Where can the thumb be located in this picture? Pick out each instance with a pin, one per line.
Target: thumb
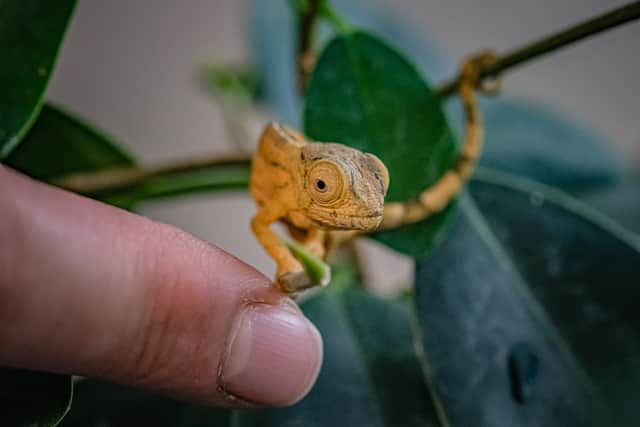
(93, 290)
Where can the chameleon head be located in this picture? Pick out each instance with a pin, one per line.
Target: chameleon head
(342, 188)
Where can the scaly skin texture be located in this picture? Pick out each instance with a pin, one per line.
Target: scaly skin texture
(314, 188)
(327, 193)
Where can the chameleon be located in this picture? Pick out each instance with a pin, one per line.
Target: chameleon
(328, 192)
(313, 187)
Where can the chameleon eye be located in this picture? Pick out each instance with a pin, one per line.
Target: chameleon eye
(326, 182)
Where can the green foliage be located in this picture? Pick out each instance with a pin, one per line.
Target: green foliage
(54, 133)
(524, 313)
(530, 275)
(33, 399)
(31, 32)
(364, 94)
(232, 84)
(542, 144)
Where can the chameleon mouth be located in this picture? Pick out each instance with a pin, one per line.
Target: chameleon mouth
(366, 222)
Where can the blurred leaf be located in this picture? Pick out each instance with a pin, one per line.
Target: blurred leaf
(539, 143)
(528, 311)
(59, 144)
(102, 404)
(370, 374)
(31, 32)
(274, 51)
(236, 85)
(33, 399)
(77, 148)
(364, 94)
(621, 201)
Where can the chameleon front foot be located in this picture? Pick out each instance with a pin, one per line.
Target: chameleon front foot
(295, 282)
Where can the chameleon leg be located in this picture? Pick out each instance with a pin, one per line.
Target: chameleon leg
(315, 242)
(290, 275)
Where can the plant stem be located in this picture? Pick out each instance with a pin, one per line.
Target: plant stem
(120, 181)
(112, 180)
(306, 58)
(553, 42)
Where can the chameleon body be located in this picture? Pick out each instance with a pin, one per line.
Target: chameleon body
(314, 188)
(319, 187)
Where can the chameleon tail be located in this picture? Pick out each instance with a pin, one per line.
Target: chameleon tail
(435, 198)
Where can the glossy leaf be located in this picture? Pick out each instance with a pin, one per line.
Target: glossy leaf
(548, 146)
(31, 32)
(59, 144)
(620, 201)
(33, 399)
(528, 310)
(78, 148)
(274, 51)
(364, 94)
(370, 375)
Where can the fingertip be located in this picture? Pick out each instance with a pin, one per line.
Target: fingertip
(273, 357)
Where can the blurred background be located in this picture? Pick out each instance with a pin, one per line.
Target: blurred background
(133, 69)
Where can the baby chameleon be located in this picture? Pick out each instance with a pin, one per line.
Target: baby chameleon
(313, 188)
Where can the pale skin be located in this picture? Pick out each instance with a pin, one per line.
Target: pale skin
(327, 192)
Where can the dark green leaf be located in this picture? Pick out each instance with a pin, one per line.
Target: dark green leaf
(528, 311)
(31, 32)
(370, 374)
(544, 145)
(621, 201)
(33, 399)
(365, 95)
(109, 405)
(58, 144)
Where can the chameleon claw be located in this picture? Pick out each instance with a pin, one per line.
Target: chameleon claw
(298, 281)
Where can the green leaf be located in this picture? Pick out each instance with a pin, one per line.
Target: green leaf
(33, 399)
(59, 144)
(78, 148)
(370, 374)
(528, 311)
(366, 95)
(316, 269)
(236, 85)
(103, 404)
(31, 32)
(539, 143)
(621, 201)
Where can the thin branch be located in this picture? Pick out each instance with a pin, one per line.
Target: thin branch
(306, 57)
(553, 42)
(119, 178)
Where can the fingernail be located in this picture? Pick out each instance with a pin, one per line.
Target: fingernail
(274, 356)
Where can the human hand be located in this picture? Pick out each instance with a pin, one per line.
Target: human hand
(92, 290)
